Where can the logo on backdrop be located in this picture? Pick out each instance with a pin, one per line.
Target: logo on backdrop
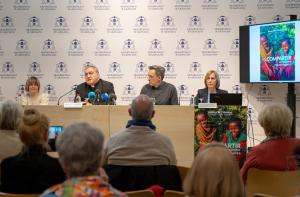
(128, 48)
(264, 93)
(223, 70)
(234, 47)
(250, 20)
(61, 71)
(1, 50)
(34, 67)
(210, 5)
(128, 5)
(236, 89)
(129, 90)
(210, 48)
(22, 48)
(155, 48)
(114, 71)
(183, 89)
(141, 25)
(21, 5)
(155, 5)
(237, 5)
(8, 71)
(183, 5)
(277, 18)
(114, 25)
(21, 89)
(102, 5)
(170, 70)
(102, 48)
(195, 25)
(265, 4)
(292, 4)
(195, 71)
(48, 5)
(222, 25)
(48, 48)
(182, 48)
(87, 25)
(75, 5)
(75, 48)
(34, 25)
(7, 25)
(168, 25)
(141, 70)
(61, 25)
(49, 89)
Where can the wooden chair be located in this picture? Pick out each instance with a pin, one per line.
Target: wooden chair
(276, 183)
(171, 193)
(140, 193)
(183, 172)
(3, 194)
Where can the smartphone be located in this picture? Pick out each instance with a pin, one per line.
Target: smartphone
(54, 131)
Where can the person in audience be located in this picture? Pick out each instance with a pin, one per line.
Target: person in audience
(32, 170)
(10, 117)
(214, 172)
(162, 92)
(139, 143)
(93, 83)
(273, 152)
(33, 95)
(212, 84)
(80, 150)
(235, 139)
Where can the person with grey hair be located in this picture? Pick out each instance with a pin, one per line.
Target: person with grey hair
(93, 83)
(80, 150)
(212, 84)
(162, 92)
(139, 143)
(10, 116)
(273, 152)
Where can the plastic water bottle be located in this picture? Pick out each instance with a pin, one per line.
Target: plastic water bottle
(77, 98)
(192, 101)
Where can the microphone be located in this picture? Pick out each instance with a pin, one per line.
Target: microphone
(112, 98)
(105, 97)
(97, 91)
(74, 88)
(92, 97)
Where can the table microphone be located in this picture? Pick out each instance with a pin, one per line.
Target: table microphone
(74, 88)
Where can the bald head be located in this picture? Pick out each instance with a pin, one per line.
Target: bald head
(141, 108)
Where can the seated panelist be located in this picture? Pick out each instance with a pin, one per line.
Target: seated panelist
(95, 90)
(33, 95)
(212, 84)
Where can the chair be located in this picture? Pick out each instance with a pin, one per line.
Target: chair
(140, 193)
(276, 183)
(183, 172)
(3, 194)
(171, 193)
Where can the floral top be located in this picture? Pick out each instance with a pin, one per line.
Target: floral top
(93, 186)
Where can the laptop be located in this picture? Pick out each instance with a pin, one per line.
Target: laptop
(227, 99)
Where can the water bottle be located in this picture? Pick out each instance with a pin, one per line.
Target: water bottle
(77, 98)
(192, 101)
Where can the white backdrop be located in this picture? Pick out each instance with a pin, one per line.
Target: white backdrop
(54, 39)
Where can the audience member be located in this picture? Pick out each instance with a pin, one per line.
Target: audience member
(212, 84)
(162, 92)
(33, 95)
(214, 172)
(273, 152)
(32, 170)
(93, 83)
(80, 149)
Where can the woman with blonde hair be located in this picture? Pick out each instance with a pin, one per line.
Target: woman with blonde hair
(32, 170)
(33, 95)
(214, 172)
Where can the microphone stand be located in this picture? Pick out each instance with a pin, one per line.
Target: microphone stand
(64, 95)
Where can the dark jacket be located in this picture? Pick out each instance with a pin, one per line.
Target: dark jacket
(202, 93)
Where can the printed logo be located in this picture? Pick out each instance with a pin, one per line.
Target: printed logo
(1, 51)
(155, 5)
(234, 48)
(48, 48)
(48, 5)
(222, 67)
(21, 89)
(21, 5)
(75, 5)
(292, 4)
(250, 20)
(7, 25)
(114, 25)
(237, 5)
(21, 2)
(141, 25)
(195, 71)
(34, 67)
(141, 70)
(170, 70)
(60, 25)
(22, 48)
(102, 48)
(182, 48)
(168, 25)
(129, 90)
(222, 25)
(236, 89)
(49, 89)
(34, 25)
(265, 4)
(61, 71)
(183, 89)
(8, 71)
(264, 90)
(155, 48)
(210, 5)
(209, 44)
(87, 25)
(114, 71)
(128, 5)
(195, 25)
(75, 45)
(183, 5)
(277, 18)
(101, 5)
(128, 45)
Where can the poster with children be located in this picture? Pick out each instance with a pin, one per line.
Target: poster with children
(226, 124)
(277, 52)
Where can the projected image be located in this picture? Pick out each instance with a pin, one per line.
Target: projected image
(277, 52)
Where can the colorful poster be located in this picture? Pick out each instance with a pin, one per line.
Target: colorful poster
(277, 52)
(226, 124)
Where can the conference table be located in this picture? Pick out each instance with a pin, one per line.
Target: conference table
(176, 122)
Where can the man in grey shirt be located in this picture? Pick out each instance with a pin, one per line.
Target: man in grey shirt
(162, 92)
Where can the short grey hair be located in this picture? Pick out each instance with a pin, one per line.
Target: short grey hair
(10, 115)
(276, 119)
(80, 149)
(159, 70)
(91, 66)
(142, 107)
